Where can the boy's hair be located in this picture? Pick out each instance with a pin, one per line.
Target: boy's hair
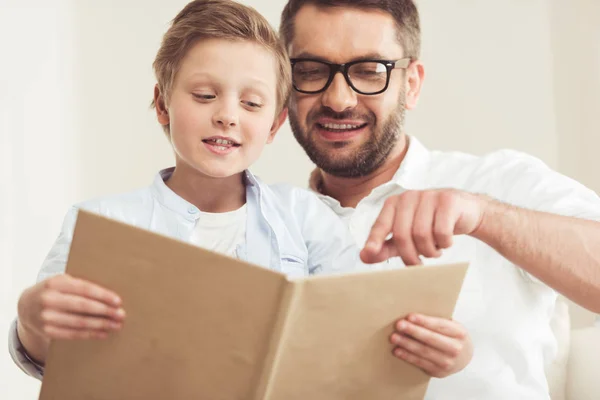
(405, 14)
(218, 19)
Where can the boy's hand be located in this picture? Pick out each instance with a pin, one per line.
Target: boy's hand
(438, 346)
(63, 307)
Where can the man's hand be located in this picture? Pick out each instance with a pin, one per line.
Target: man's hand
(438, 346)
(422, 223)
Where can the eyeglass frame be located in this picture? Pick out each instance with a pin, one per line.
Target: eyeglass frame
(343, 69)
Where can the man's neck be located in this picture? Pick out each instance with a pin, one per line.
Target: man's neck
(213, 195)
(350, 191)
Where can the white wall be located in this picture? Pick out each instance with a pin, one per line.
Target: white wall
(38, 166)
(575, 39)
(488, 78)
(576, 45)
(76, 82)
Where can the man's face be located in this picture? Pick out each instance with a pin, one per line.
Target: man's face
(344, 133)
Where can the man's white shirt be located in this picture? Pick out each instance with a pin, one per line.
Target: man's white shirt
(506, 311)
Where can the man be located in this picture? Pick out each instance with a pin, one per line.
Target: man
(527, 231)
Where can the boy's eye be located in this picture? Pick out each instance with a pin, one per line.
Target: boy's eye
(253, 104)
(204, 96)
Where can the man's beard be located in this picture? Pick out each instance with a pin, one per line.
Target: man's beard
(364, 160)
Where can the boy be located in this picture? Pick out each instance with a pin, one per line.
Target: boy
(223, 83)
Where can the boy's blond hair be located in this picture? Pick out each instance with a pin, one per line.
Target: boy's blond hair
(218, 19)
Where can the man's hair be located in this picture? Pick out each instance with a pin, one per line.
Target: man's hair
(404, 12)
(218, 19)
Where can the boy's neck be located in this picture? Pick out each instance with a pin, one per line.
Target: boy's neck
(213, 195)
(350, 191)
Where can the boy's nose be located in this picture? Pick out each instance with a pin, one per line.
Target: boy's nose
(226, 120)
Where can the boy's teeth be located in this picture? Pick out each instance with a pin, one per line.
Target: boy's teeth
(221, 141)
(340, 126)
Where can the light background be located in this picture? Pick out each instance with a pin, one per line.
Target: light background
(76, 83)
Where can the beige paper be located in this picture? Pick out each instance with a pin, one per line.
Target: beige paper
(204, 326)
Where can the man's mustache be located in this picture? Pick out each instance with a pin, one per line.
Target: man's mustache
(344, 115)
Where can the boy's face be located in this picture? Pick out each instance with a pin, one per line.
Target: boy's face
(222, 107)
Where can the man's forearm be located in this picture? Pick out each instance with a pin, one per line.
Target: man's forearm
(563, 252)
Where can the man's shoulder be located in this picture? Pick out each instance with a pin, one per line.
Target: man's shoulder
(478, 172)
(503, 158)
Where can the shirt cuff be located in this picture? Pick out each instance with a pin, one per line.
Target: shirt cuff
(20, 356)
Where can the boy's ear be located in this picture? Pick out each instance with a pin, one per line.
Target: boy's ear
(279, 120)
(162, 114)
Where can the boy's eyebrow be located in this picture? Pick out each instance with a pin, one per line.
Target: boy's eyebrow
(256, 84)
(201, 75)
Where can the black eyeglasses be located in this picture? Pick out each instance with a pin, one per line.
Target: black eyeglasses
(367, 77)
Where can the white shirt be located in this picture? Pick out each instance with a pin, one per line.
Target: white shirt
(221, 232)
(506, 311)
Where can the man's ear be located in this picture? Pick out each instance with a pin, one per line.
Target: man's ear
(162, 114)
(415, 74)
(279, 120)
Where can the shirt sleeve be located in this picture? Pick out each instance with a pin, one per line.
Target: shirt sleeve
(56, 260)
(20, 356)
(54, 264)
(527, 182)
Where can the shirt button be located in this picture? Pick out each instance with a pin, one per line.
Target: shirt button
(192, 210)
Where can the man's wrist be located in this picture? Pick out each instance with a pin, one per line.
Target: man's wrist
(491, 211)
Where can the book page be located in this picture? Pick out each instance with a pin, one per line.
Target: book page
(197, 326)
(337, 346)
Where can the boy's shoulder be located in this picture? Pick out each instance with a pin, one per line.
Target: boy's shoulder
(135, 201)
(296, 205)
(288, 195)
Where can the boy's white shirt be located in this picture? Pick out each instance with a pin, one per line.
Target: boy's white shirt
(221, 232)
(506, 311)
(287, 229)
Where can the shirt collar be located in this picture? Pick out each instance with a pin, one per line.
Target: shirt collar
(413, 170)
(178, 204)
(410, 175)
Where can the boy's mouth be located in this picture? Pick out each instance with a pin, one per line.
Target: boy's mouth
(221, 143)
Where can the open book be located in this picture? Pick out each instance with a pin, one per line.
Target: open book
(204, 326)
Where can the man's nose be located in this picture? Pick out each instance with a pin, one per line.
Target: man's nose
(339, 96)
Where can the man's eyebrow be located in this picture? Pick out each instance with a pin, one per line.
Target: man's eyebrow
(306, 54)
(369, 56)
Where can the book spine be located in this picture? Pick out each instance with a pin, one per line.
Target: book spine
(291, 294)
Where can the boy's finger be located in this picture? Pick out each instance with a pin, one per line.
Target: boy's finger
(55, 332)
(441, 360)
(81, 305)
(426, 365)
(80, 287)
(79, 322)
(443, 326)
(445, 344)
